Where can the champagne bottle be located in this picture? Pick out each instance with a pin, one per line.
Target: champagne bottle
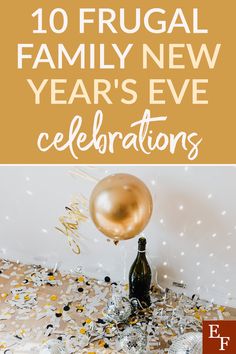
(140, 276)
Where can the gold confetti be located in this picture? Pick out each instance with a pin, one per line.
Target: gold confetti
(134, 321)
(203, 310)
(221, 308)
(101, 343)
(80, 308)
(82, 331)
(53, 298)
(80, 279)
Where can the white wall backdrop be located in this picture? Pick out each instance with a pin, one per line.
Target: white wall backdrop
(191, 236)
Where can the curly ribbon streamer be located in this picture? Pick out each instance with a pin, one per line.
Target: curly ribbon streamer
(71, 223)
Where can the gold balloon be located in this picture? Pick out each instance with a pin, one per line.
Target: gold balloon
(120, 206)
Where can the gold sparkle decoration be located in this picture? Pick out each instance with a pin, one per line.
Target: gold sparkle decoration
(79, 172)
(76, 213)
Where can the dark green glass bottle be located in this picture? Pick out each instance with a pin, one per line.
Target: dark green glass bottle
(140, 276)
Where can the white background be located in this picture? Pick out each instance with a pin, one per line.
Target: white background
(191, 236)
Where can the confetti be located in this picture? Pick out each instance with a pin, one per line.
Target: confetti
(48, 311)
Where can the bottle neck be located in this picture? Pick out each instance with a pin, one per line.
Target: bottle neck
(142, 246)
(141, 251)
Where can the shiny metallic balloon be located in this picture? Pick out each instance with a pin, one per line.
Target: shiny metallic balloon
(120, 206)
(188, 343)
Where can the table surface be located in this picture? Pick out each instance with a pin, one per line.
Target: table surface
(38, 305)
